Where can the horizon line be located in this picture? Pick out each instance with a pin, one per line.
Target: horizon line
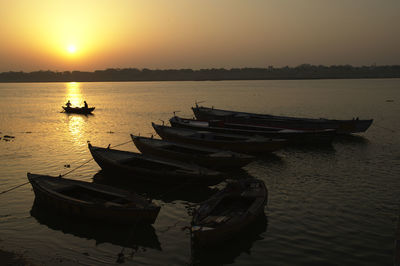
(198, 69)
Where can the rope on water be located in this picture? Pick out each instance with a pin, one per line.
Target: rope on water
(92, 159)
(121, 144)
(5, 191)
(389, 129)
(77, 167)
(10, 189)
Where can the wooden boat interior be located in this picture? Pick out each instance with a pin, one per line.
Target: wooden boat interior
(227, 209)
(93, 196)
(237, 201)
(178, 148)
(182, 149)
(149, 164)
(190, 149)
(206, 135)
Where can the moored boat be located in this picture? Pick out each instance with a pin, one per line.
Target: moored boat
(229, 211)
(207, 157)
(342, 126)
(140, 167)
(92, 201)
(306, 137)
(78, 110)
(236, 143)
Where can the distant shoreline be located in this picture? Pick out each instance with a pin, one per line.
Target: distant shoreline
(89, 81)
(302, 72)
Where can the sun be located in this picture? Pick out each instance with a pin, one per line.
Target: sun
(71, 48)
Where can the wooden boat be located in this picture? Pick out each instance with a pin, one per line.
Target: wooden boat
(78, 110)
(140, 167)
(207, 157)
(342, 126)
(92, 201)
(229, 211)
(237, 143)
(323, 136)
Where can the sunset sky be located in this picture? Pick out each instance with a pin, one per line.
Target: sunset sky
(97, 34)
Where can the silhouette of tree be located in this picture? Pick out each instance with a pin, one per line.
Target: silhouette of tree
(303, 71)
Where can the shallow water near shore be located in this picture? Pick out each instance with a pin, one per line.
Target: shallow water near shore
(335, 205)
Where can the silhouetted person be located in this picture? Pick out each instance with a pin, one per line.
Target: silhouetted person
(68, 104)
(86, 105)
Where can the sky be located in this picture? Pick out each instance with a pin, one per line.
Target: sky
(90, 35)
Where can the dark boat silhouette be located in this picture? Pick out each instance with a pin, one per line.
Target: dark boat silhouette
(229, 212)
(232, 142)
(92, 201)
(78, 110)
(294, 136)
(207, 157)
(140, 167)
(342, 126)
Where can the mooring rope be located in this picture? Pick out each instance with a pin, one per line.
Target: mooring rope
(5, 191)
(76, 167)
(121, 144)
(389, 129)
(10, 189)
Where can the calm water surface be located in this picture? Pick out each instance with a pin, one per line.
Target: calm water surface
(330, 206)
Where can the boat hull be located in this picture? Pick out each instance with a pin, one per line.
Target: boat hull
(342, 126)
(295, 137)
(202, 235)
(154, 173)
(78, 110)
(237, 144)
(215, 159)
(107, 212)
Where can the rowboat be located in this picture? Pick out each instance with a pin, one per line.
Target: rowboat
(342, 126)
(207, 157)
(92, 201)
(229, 211)
(140, 167)
(236, 143)
(323, 136)
(78, 110)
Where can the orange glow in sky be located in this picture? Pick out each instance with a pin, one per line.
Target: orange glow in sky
(98, 34)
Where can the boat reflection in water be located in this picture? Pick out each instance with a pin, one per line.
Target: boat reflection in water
(227, 252)
(186, 192)
(351, 139)
(135, 237)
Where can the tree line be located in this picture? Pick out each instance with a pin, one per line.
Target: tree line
(304, 71)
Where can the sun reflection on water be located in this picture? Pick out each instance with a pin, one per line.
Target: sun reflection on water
(76, 122)
(74, 94)
(76, 126)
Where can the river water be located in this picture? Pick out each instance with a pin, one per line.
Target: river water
(332, 206)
